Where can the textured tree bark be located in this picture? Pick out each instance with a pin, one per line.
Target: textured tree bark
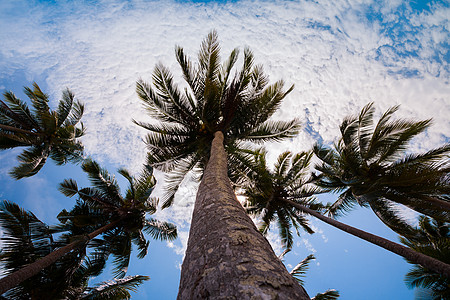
(19, 276)
(411, 255)
(226, 256)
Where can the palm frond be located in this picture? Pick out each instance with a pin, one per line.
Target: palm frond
(299, 271)
(284, 228)
(327, 295)
(116, 289)
(282, 164)
(345, 203)
(160, 230)
(65, 106)
(68, 187)
(208, 57)
(102, 181)
(31, 161)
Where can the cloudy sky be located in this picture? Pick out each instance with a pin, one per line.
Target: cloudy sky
(340, 55)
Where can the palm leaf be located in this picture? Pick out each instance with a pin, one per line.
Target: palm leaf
(160, 230)
(299, 271)
(116, 289)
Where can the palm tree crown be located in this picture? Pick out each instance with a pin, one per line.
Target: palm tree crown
(431, 238)
(369, 166)
(103, 203)
(27, 239)
(267, 190)
(238, 105)
(46, 133)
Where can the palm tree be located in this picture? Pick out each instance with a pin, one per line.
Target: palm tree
(197, 129)
(433, 239)
(28, 239)
(265, 191)
(287, 190)
(104, 211)
(25, 240)
(46, 133)
(369, 166)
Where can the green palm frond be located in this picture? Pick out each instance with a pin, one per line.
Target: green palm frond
(160, 230)
(31, 161)
(430, 238)
(39, 101)
(327, 295)
(299, 271)
(283, 163)
(68, 187)
(175, 178)
(116, 289)
(389, 215)
(102, 181)
(142, 244)
(15, 112)
(344, 204)
(284, 228)
(65, 106)
(208, 57)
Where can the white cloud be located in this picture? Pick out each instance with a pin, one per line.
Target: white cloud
(308, 245)
(338, 59)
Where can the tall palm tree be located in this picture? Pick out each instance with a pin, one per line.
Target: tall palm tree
(432, 238)
(369, 166)
(265, 191)
(199, 128)
(286, 189)
(104, 211)
(44, 132)
(27, 239)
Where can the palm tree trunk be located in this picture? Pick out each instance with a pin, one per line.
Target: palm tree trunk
(226, 256)
(17, 277)
(18, 130)
(411, 255)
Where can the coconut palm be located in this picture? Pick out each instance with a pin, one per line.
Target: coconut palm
(369, 166)
(102, 210)
(27, 239)
(432, 238)
(44, 132)
(266, 190)
(199, 128)
(287, 192)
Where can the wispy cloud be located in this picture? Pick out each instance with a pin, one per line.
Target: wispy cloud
(340, 55)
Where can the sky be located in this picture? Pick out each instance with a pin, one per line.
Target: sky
(340, 55)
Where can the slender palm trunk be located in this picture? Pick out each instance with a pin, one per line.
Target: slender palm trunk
(18, 130)
(17, 277)
(411, 255)
(226, 256)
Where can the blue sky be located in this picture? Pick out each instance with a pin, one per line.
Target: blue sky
(340, 55)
